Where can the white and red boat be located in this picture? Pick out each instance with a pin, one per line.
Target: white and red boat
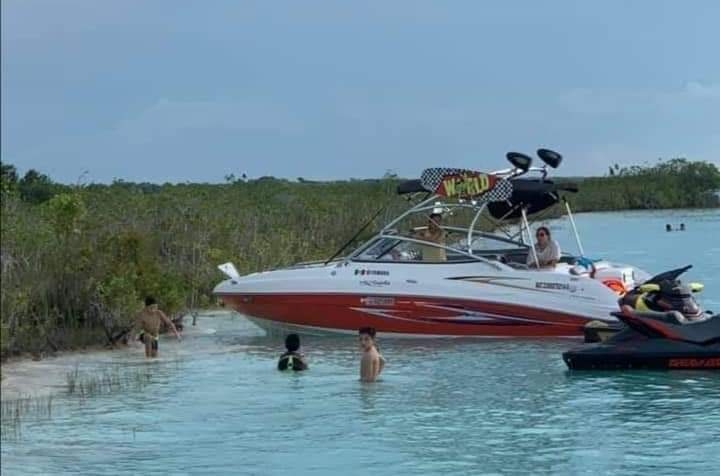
(472, 283)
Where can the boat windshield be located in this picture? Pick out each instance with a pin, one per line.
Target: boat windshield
(449, 246)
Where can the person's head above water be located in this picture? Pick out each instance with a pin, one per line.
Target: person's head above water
(367, 337)
(543, 235)
(292, 359)
(150, 301)
(292, 343)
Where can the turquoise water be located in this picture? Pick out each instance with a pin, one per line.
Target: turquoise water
(215, 405)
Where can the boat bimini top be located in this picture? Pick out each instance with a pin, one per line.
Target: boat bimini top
(503, 197)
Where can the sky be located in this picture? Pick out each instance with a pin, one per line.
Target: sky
(175, 91)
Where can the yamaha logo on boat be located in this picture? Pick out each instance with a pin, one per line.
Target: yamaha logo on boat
(372, 272)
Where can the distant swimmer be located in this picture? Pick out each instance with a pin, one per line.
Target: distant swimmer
(149, 321)
(292, 359)
(668, 227)
(371, 363)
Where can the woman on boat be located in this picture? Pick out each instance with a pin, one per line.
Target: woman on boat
(546, 249)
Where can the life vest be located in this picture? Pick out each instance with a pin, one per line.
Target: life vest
(291, 361)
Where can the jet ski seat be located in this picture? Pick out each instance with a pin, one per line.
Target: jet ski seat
(703, 332)
(669, 317)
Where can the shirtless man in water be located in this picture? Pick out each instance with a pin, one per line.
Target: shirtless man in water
(371, 363)
(149, 321)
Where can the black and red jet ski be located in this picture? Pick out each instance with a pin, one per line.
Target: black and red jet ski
(653, 340)
(662, 293)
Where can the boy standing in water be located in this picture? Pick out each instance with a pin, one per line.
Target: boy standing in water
(371, 363)
(149, 321)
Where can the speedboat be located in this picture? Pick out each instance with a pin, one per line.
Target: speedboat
(472, 282)
(653, 340)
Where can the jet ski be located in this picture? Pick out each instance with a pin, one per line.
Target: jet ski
(653, 340)
(662, 293)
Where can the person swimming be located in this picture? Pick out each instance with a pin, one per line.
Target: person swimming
(292, 359)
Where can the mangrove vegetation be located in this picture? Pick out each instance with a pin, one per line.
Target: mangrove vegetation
(78, 259)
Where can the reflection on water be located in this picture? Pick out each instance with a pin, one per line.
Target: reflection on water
(442, 407)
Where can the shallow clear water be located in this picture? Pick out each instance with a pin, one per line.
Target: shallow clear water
(215, 405)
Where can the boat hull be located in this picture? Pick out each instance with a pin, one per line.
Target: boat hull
(403, 315)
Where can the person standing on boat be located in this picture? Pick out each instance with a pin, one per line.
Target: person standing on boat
(434, 234)
(292, 359)
(371, 363)
(546, 249)
(149, 321)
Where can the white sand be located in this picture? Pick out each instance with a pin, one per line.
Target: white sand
(24, 377)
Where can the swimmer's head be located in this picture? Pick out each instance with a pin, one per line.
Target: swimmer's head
(292, 343)
(150, 301)
(366, 337)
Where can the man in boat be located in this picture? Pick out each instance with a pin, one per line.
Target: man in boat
(292, 359)
(371, 363)
(434, 234)
(149, 321)
(546, 249)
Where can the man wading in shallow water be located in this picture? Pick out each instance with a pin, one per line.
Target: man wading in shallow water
(149, 321)
(371, 363)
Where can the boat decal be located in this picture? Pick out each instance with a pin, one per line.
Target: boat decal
(374, 282)
(465, 316)
(475, 320)
(690, 363)
(464, 278)
(494, 282)
(494, 316)
(377, 301)
(559, 286)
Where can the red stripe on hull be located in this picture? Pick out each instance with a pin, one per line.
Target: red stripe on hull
(408, 315)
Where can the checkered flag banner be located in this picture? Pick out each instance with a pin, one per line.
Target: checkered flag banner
(500, 192)
(431, 179)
